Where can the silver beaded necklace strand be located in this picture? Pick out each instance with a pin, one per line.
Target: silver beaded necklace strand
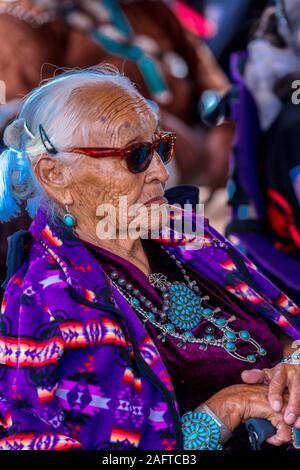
(183, 310)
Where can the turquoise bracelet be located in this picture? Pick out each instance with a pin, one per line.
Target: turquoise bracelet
(200, 432)
(293, 358)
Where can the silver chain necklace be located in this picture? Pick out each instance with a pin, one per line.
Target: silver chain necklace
(183, 310)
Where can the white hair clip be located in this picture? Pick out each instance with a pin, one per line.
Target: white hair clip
(28, 132)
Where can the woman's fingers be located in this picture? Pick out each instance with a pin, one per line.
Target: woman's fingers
(276, 389)
(278, 379)
(283, 436)
(272, 377)
(292, 412)
(254, 376)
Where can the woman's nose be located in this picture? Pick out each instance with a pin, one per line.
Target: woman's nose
(157, 170)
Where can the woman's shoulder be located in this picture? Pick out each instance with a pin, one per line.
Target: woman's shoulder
(39, 293)
(35, 264)
(38, 281)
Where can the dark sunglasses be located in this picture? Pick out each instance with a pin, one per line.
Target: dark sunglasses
(138, 156)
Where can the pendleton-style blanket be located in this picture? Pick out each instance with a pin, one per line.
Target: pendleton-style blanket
(78, 369)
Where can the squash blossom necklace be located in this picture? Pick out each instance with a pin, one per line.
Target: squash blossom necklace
(184, 309)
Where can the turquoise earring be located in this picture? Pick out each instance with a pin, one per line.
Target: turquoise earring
(69, 219)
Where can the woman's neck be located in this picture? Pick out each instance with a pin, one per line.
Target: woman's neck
(131, 250)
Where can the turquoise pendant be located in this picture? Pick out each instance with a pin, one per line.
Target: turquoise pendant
(185, 311)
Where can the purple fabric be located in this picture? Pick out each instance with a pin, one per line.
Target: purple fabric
(244, 113)
(79, 369)
(196, 374)
(254, 239)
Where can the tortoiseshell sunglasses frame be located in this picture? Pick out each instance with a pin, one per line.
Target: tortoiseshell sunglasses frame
(95, 152)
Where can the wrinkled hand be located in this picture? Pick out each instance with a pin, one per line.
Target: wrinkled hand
(238, 403)
(278, 379)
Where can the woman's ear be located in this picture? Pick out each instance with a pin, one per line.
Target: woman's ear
(52, 174)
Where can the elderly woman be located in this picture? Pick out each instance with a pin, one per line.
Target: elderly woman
(127, 342)
(82, 33)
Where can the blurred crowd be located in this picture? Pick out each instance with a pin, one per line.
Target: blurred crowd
(224, 75)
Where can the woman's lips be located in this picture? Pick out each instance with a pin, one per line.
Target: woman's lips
(159, 200)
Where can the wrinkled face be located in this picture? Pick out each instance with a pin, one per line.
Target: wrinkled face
(105, 184)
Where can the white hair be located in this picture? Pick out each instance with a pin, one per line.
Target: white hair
(49, 105)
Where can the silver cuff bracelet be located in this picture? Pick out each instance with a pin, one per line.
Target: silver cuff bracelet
(225, 434)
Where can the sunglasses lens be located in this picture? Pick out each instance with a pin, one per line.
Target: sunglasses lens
(139, 158)
(164, 150)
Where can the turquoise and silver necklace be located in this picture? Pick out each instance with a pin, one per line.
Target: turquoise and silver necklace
(183, 310)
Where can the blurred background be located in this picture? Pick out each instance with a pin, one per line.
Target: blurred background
(224, 75)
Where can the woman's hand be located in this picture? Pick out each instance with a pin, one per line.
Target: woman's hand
(277, 379)
(238, 403)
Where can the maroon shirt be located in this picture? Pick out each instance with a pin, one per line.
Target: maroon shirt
(198, 374)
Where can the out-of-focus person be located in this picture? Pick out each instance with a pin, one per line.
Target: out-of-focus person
(233, 21)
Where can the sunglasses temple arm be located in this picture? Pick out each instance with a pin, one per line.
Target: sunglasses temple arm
(46, 141)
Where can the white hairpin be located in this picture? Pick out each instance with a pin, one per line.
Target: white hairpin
(30, 134)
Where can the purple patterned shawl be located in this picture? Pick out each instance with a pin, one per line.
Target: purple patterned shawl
(78, 369)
